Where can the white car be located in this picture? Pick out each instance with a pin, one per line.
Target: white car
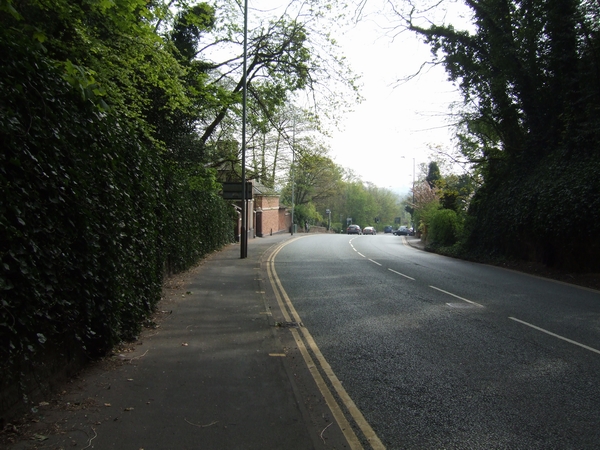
(369, 230)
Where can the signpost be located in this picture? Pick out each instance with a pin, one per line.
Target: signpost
(233, 191)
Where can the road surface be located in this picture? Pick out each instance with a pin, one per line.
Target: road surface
(423, 351)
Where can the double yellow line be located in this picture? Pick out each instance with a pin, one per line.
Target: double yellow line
(305, 341)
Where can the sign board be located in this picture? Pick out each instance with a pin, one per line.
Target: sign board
(233, 191)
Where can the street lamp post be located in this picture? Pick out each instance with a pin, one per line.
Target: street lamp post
(293, 169)
(412, 216)
(244, 236)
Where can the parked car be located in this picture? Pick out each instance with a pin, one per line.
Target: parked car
(402, 231)
(369, 230)
(353, 229)
(388, 229)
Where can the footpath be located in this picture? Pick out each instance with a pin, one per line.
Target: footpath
(215, 372)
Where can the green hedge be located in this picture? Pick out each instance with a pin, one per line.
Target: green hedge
(550, 213)
(444, 228)
(92, 217)
(195, 220)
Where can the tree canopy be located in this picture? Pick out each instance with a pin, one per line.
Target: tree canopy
(530, 128)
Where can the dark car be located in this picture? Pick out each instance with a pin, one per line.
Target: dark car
(369, 230)
(388, 229)
(402, 231)
(353, 229)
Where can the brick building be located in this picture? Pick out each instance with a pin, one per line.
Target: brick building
(265, 215)
(269, 216)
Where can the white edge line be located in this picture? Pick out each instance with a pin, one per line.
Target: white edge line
(360, 253)
(556, 335)
(456, 296)
(401, 274)
(375, 262)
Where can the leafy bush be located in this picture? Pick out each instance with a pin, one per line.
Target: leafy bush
(444, 228)
(338, 227)
(424, 215)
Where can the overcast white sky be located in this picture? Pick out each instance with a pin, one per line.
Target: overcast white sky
(395, 123)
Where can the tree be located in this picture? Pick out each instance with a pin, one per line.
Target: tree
(387, 204)
(315, 179)
(277, 54)
(433, 174)
(288, 52)
(359, 204)
(529, 75)
(290, 55)
(425, 202)
(455, 192)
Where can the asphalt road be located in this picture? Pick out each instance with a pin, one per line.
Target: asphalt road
(437, 353)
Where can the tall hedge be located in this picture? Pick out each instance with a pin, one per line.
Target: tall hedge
(549, 214)
(92, 214)
(195, 220)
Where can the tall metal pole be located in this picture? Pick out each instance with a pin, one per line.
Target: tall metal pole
(412, 216)
(244, 237)
(293, 167)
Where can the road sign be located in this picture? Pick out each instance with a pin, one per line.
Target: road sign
(233, 191)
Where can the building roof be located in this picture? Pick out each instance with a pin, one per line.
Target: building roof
(260, 189)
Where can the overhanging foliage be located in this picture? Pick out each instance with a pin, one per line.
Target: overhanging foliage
(95, 209)
(531, 129)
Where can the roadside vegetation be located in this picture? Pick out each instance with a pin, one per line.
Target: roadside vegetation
(528, 132)
(320, 185)
(118, 122)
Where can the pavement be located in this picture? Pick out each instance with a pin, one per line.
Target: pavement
(415, 242)
(215, 371)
